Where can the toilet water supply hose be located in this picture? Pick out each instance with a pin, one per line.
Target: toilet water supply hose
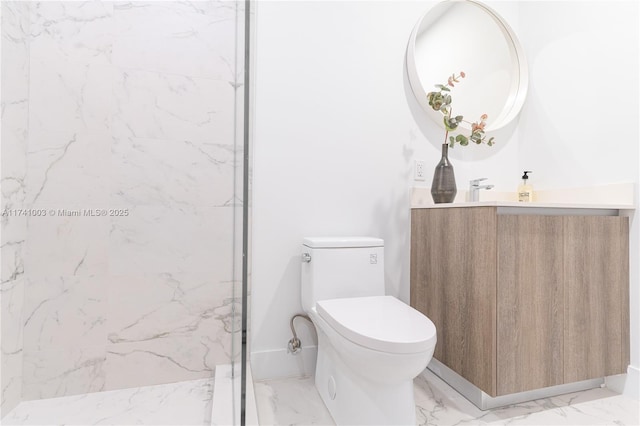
(295, 345)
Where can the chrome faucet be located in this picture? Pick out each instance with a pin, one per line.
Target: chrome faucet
(475, 187)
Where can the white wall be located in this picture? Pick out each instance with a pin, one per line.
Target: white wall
(336, 132)
(578, 127)
(334, 142)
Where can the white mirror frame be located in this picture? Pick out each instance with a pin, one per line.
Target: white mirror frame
(518, 90)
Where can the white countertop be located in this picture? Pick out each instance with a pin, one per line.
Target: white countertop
(523, 205)
(606, 197)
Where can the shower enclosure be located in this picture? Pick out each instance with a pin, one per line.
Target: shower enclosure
(124, 217)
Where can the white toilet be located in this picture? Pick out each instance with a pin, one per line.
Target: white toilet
(370, 346)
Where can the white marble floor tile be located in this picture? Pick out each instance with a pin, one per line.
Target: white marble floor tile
(296, 402)
(182, 403)
(290, 402)
(439, 404)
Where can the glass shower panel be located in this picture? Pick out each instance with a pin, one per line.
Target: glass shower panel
(241, 222)
(121, 155)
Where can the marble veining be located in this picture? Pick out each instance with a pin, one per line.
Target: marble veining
(67, 371)
(65, 312)
(171, 326)
(438, 403)
(156, 239)
(126, 105)
(15, 127)
(189, 174)
(175, 107)
(11, 349)
(71, 66)
(182, 403)
(291, 402)
(296, 401)
(155, 36)
(65, 246)
(12, 266)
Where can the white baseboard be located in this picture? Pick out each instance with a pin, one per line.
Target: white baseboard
(632, 385)
(279, 363)
(616, 383)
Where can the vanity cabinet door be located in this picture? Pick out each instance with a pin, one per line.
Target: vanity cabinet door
(596, 308)
(453, 282)
(530, 303)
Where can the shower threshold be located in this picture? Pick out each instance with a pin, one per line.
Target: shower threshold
(181, 403)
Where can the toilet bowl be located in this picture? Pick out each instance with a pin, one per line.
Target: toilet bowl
(370, 346)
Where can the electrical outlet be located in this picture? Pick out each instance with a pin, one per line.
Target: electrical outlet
(418, 170)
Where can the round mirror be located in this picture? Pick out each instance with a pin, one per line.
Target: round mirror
(468, 36)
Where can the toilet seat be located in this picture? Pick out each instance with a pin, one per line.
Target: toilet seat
(382, 323)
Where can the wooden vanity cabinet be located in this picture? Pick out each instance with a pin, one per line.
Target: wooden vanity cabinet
(453, 282)
(596, 297)
(530, 303)
(522, 302)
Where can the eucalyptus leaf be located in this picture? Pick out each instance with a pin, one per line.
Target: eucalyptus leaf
(441, 101)
(450, 124)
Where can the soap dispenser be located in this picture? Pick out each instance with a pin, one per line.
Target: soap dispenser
(525, 190)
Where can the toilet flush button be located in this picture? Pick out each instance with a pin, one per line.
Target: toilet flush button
(373, 258)
(332, 388)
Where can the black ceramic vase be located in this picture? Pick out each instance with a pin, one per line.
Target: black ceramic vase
(443, 188)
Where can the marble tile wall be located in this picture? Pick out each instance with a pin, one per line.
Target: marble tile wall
(15, 107)
(131, 109)
(171, 259)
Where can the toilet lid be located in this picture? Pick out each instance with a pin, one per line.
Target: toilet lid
(383, 323)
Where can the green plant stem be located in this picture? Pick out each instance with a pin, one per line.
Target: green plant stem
(446, 129)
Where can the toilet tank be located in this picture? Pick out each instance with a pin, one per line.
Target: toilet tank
(341, 267)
